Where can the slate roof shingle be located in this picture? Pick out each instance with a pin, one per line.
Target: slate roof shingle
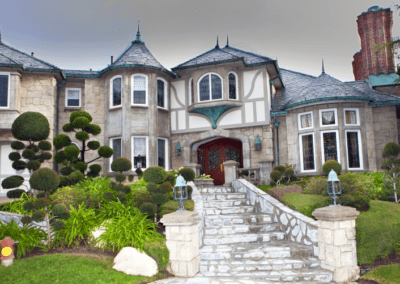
(138, 53)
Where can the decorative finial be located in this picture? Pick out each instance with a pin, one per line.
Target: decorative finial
(138, 22)
(138, 40)
(323, 68)
(227, 40)
(217, 45)
(0, 35)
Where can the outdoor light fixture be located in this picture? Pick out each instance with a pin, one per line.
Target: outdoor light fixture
(333, 186)
(180, 192)
(258, 144)
(178, 149)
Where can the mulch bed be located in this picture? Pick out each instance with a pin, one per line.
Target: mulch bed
(393, 258)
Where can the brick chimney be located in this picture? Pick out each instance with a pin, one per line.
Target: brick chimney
(374, 27)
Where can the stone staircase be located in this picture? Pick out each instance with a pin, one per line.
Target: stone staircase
(242, 244)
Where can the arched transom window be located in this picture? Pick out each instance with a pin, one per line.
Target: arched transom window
(210, 87)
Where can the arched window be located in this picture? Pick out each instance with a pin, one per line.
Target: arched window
(210, 87)
(191, 92)
(162, 93)
(139, 94)
(115, 91)
(232, 79)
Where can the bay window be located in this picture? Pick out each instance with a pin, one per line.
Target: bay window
(116, 145)
(354, 150)
(140, 152)
(305, 120)
(328, 117)
(115, 92)
(162, 153)
(307, 152)
(210, 87)
(330, 146)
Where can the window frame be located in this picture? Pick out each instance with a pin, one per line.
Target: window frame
(133, 151)
(80, 97)
(8, 90)
(301, 153)
(237, 87)
(325, 110)
(166, 152)
(191, 99)
(111, 146)
(361, 168)
(322, 145)
(299, 120)
(146, 89)
(209, 83)
(357, 116)
(165, 93)
(112, 94)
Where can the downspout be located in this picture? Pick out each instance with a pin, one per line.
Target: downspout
(59, 86)
(276, 123)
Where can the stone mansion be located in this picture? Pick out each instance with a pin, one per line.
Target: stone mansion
(225, 104)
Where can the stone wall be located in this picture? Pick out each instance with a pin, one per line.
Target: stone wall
(198, 207)
(283, 145)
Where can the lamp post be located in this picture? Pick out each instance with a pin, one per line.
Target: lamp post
(333, 186)
(180, 192)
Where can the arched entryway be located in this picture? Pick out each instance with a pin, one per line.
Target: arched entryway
(212, 154)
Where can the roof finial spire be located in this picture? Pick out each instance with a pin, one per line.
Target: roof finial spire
(0, 35)
(217, 45)
(138, 40)
(227, 40)
(323, 68)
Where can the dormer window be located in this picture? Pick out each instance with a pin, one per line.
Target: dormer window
(4, 90)
(139, 94)
(115, 91)
(210, 87)
(232, 78)
(162, 93)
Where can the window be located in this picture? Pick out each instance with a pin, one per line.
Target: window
(139, 94)
(140, 152)
(162, 149)
(4, 90)
(354, 150)
(162, 93)
(330, 146)
(210, 87)
(73, 97)
(232, 79)
(351, 117)
(116, 145)
(305, 120)
(328, 117)
(191, 92)
(115, 92)
(307, 151)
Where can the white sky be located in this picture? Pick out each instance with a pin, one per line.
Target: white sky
(79, 34)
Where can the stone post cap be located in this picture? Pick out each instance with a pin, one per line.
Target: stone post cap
(335, 213)
(180, 218)
(230, 163)
(192, 165)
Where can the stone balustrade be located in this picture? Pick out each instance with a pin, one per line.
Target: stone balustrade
(253, 174)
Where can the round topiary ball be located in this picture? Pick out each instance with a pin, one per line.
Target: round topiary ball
(93, 145)
(280, 168)
(272, 183)
(15, 193)
(44, 179)
(64, 181)
(41, 195)
(31, 126)
(14, 156)
(71, 151)
(108, 195)
(119, 187)
(391, 149)
(93, 129)
(151, 187)
(154, 174)
(105, 152)
(41, 203)
(26, 220)
(46, 156)
(139, 172)
(188, 174)
(18, 165)
(95, 168)
(44, 145)
(80, 122)
(158, 198)
(289, 172)
(130, 178)
(33, 147)
(329, 165)
(61, 140)
(76, 176)
(120, 178)
(61, 211)
(170, 178)
(38, 216)
(121, 165)
(80, 166)
(190, 190)
(17, 145)
(275, 175)
(126, 189)
(68, 127)
(121, 196)
(58, 225)
(82, 136)
(148, 208)
(79, 113)
(28, 154)
(12, 182)
(33, 165)
(59, 157)
(165, 187)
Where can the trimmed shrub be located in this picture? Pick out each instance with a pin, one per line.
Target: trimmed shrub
(44, 145)
(26, 220)
(71, 151)
(44, 179)
(158, 198)
(152, 187)
(316, 185)
(331, 165)
(41, 195)
(61, 140)
(289, 172)
(79, 113)
(12, 182)
(391, 149)
(120, 177)
(68, 127)
(105, 152)
(190, 190)
(14, 156)
(139, 172)
(121, 165)
(19, 165)
(126, 189)
(140, 196)
(165, 187)
(148, 208)
(76, 176)
(80, 122)
(280, 168)
(66, 171)
(95, 168)
(31, 126)
(108, 195)
(157, 250)
(170, 178)
(93, 129)
(94, 145)
(188, 174)
(46, 156)
(38, 216)
(80, 166)
(41, 203)
(82, 135)
(154, 174)
(61, 211)
(17, 145)
(275, 175)
(59, 157)
(272, 183)
(121, 196)
(130, 178)
(16, 193)
(28, 206)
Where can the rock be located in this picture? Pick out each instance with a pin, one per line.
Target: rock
(99, 231)
(130, 261)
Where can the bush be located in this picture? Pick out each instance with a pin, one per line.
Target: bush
(44, 179)
(280, 192)
(31, 126)
(280, 168)
(188, 174)
(70, 196)
(121, 196)
(272, 183)
(108, 195)
(165, 187)
(305, 203)
(331, 165)
(157, 250)
(130, 178)
(93, 145)
(33, 165)
(121, 165)
(360, 187)
(151, 187)
(120, 177)
(316, 185)
(391, 149)
(140, 196)
(158, 198)
(14, 194)
(76, 177)
(170, 178)
(148, 208)
(116, 209)
(275, 175)
(139, 172)
(154, 174)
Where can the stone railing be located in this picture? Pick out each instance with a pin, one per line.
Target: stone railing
(252, 176)
(297, 227)
(198, 207)
(7, 217)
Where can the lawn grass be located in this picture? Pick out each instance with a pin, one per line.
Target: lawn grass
(377, 231)
(69, 269)
(265, 188)
(384, 274)
(305, 203)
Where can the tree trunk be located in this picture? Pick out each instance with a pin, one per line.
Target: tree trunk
(395, 193)
(48, 227)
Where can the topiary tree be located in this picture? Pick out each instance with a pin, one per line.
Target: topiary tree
(154, 174)
(45, 180)
(74, 164)
(31, 127)
(121, 165)
(281, 172)
(331, 165)
(392, 165)
(188, 174)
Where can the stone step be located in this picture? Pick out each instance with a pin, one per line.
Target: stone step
(222, 196)
(240, 229)
(234, 219)
(215, 189)
(229, 210)
(308, 276)
(243, 238)
(226, 203)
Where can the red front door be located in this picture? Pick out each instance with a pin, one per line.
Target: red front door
(212, 154)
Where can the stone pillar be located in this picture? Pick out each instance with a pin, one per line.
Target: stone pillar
(337, 242)
(265, 170)
(230, 168)
(195, 167)
(182, 232)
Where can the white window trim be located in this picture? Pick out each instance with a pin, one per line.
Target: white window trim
(165, 93)
(166, 152)
(299, 120)
(337, 145)
(325, 110)
(66, 96)
(360, 151)
(111, 92)
(8, 91)
(237, 86)
(133, 152)
(111, 146)
(209, 83)
(147, 90)
(190, 92)
(301, 153)
(357, 116)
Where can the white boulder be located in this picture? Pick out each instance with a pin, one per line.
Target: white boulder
(130, 261)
